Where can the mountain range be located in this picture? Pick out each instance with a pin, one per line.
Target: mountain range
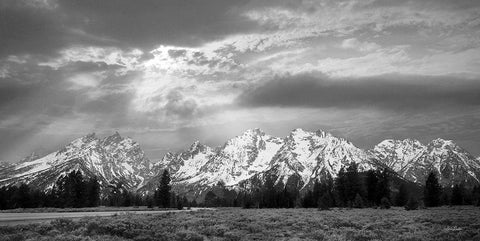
(303, 155)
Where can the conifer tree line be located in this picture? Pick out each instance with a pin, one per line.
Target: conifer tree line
(76, 191)
(350, 188)
(69, 191)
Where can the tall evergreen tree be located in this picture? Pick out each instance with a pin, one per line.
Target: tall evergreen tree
(432, 191)
(349, 184)
(402, 196)
(371, 183)
(22, 197)
(458, 195)
(383, 186)
(69, 190)
(116, 197)
(3, 198)
(340, 187)
(269, 192)
(163, 196)
(211, 199)
(92, 192)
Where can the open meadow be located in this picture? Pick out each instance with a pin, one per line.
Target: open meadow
(444, 223)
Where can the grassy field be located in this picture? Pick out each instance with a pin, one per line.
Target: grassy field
(445, 223)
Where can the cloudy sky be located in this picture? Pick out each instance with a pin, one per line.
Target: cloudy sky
(170, 72)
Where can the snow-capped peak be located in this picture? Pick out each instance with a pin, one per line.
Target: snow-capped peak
(112, 159)
(255, 131)
(197, 146)
(398, 154)
(299, 132)
(302, 154)
(115, 138)
(414, 161)
(442, 143)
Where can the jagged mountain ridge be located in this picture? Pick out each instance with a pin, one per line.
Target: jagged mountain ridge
(413, 161)
(112, 159)
(398, 154)
(304, 155)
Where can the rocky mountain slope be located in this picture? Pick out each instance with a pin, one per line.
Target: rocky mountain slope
(4, 164)
(302, 155)
(413, 160)
(111, 159)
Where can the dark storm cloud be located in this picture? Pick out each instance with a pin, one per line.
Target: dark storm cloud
(32, 89)
(33, 102)
(46, 91)
(149, 23)
(28, 29)
(386, 92)
(37, 98)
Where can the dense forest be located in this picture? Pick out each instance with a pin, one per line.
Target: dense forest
(351, 189)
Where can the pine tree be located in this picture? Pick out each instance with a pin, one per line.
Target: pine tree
(149, 201)
(371, 182)
(211, 199)
(458, 193)
(22, 196)
(358, 201)
(402, 196)
(3, 198)
(163, 195)
(173, 200)
(432, 191)
(349, 184)
(180, 203)
(340, 187)
(116, 197)
(269, 192)
(383, 186)
(70, 190)
(325, 201)
(92, 192)
(316, 191)
(476, 195)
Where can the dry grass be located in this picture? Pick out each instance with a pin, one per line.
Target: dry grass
(457, 223)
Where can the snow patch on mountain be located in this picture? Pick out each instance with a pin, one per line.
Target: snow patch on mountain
(237, 160)
(305, 154)
(112, 159)
(398, 154)
(413, 161)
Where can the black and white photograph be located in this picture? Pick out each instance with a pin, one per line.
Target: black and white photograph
(239, 120)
